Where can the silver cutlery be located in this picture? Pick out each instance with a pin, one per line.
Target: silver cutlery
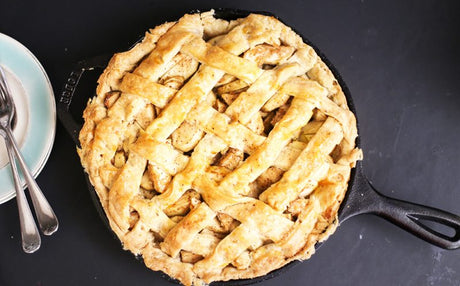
(45, 215)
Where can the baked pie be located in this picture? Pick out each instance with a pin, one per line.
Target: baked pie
(219, 149)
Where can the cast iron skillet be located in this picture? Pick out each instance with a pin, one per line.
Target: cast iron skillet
(361, 197)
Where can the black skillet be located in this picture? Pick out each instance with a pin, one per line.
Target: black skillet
(361, 197)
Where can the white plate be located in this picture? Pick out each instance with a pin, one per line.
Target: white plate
(36, 111)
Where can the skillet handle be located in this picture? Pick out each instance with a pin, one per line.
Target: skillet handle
(409, 216)
(65, 100)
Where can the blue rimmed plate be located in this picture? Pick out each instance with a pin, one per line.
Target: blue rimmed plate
(36, 111)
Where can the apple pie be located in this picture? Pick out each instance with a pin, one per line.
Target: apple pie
(219, 149)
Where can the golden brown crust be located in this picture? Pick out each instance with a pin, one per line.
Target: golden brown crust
(219, 150)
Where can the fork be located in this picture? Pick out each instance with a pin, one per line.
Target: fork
(29, 233)
(45, 215)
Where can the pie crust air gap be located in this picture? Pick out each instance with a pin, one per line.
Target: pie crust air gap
(219, 149)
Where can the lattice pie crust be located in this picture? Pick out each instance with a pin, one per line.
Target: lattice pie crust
(219, 149)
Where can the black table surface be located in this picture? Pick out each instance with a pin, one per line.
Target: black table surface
(401, 62)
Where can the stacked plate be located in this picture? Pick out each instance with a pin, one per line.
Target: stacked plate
(36, 111)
